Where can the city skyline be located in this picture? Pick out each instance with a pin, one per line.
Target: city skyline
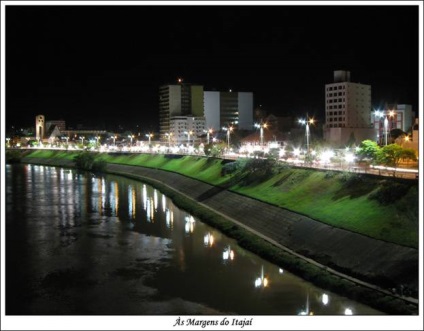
(104, 65)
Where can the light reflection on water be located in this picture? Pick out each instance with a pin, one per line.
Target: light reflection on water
(139, 253)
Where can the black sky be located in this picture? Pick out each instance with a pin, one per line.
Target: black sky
(104, 64)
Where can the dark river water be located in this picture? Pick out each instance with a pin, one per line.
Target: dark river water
(79, 244)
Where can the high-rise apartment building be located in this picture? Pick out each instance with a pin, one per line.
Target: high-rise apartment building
(347, 110)
(225, 108)
(178, 100)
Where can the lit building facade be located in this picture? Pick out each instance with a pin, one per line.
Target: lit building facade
(178, 100)
(186, 129)
(40, 129)
(225, 108)
(347, 111)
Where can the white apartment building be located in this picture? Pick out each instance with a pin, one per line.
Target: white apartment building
(186, 129)
(225, 108)
(347, 110)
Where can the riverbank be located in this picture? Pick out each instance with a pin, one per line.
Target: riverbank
(355, 202)
(268, 231)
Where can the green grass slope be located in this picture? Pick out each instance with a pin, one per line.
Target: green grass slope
(382, 208)
(344, 201)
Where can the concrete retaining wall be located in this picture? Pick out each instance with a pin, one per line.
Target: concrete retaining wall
(331, 246)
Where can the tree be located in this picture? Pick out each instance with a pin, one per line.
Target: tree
(214, 150)
(368, 150)
(396, 133)
(392, 154)
(408, 154)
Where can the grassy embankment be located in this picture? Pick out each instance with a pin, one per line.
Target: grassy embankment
(338, 199)
(210, 170)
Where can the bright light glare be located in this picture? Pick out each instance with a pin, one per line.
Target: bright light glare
(348, 311)
(349, 157)
(228, 254)
(325, 299)
(326, 156)
(378, 113)
(208, 239)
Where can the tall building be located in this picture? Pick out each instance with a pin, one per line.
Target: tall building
(347, 111)
(225, 108)
(180, 99)
(40, 129)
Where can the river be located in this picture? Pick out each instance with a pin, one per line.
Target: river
(82, 244)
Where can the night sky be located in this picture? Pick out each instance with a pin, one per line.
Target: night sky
(103, 65)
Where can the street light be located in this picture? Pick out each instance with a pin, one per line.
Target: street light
(8, 142)
(229, 129)
(114, 138)
(188, 133)
(169, 138)
(386, 122)
(98, 138)
(261, 127)
(306, 122)
(131, 137)
(208, 132)
(149, 135)
(386, 116)
(82, 140)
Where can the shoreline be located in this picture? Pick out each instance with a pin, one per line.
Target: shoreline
(256, 241)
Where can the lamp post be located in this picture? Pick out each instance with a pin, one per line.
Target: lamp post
(131, 137)
(114, 138)
(208, 132)
(98, 138)
(149, 135)
(379, 114)
(306, 122)
(169, 138)
(261, 127)
(229, 129)
(386, 116)
(8, 142)
(386, 123)
(189, 133)
(82, 140)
